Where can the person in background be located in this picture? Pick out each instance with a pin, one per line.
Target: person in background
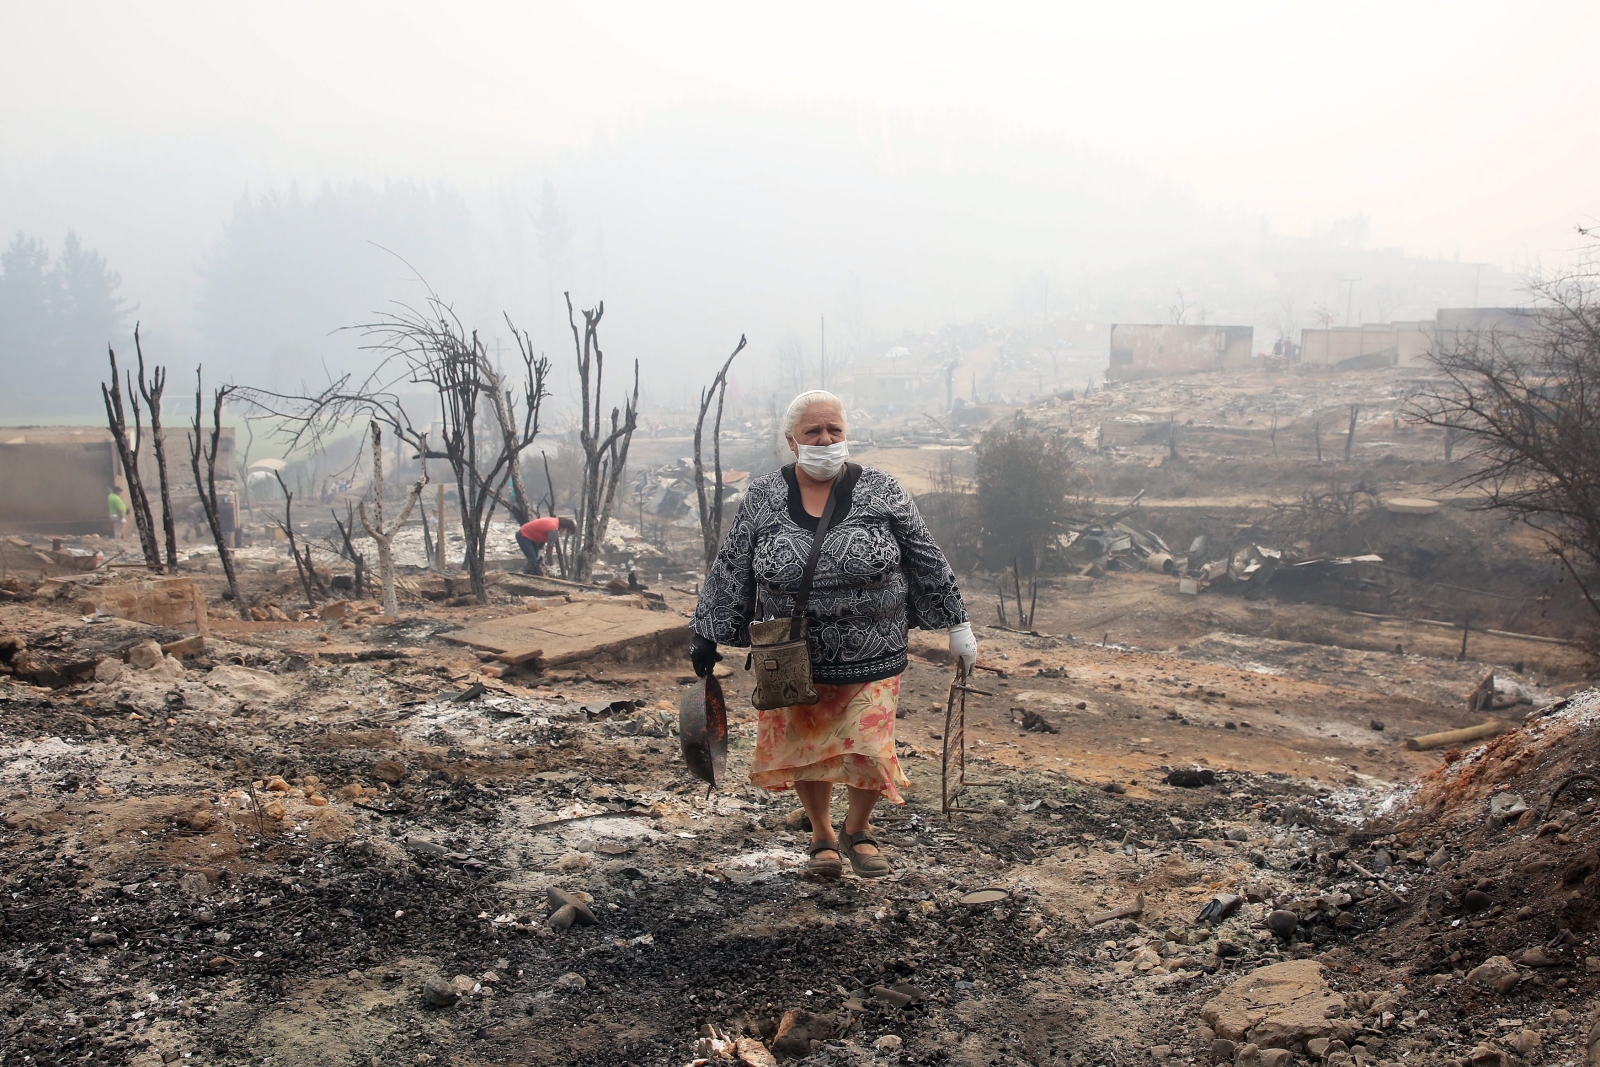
(879, 572)
(119, 511)
(534, 538)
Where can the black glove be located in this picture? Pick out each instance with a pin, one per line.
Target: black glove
(704, 655)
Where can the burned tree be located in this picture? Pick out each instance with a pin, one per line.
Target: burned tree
(711, 509)
(1023, 476)
(128, 454)
(381, 534)
(604, 457)
(310, 581)
(429, 346)
(346, 528)
(1526, 408)
(151, 390)
(203, 461)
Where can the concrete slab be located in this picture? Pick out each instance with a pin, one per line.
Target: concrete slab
(176, 603)
(574, 632)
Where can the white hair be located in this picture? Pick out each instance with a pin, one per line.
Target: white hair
(798, 406)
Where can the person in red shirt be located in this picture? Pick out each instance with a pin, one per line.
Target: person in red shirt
(535, 536)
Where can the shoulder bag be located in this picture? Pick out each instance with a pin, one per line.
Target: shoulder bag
(780, 652)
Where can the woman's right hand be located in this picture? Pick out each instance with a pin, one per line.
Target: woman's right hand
(704, 655)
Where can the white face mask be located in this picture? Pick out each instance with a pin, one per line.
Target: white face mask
(823, 461)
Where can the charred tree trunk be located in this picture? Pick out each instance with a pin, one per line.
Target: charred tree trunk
(346, 528)
(152, 391)
(200, 448)
(384, 535)
(603, 457)
(1350, 436)
(128, 454)
(711, 510)
(304, 565)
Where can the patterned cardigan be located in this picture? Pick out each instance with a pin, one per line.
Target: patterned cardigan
(879, 574)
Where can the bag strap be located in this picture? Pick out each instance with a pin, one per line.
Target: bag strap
(803, 598)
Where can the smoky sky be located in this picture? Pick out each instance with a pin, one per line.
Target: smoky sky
(723, 169)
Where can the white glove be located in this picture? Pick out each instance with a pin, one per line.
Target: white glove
(964, 646)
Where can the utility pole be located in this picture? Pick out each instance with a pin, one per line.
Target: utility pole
(822, 326)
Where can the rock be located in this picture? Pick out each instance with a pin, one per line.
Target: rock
(390, 771)
(244, 684)
(1146, 959)
(1275, 1006)
(1496, 973)
(108, 670)
(753, 1053)
(571, 983)
(199, 820)
(328, 825)
(438, 993)
(274, 810)
(170, 669)
(185, 647)
(1524, 1042)
(798, 820)
(1318, 1047)
(1537, 957)
(333, 610)
(1438, 859)
(892, 997)
(1477, 900)
(194, 884)
(1273, 1057)
(1283, 923)
(277, 784)
(887, 1043)
(1376, 724)
(144, 655)
(1505, 808)
(797, 1029)
(1222, 1050)
(102, 937)
(463, 986)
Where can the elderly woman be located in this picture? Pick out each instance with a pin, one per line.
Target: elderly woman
(878, 573)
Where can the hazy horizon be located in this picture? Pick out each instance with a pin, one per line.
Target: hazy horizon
(723, 171)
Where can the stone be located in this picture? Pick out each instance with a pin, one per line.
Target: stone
(199, 820)
(797, 1029)
(797, 820)
(1477, 900)
(1438, 859)
(571, 983)
(194, 884)
(144, 655)
(274, 810)
(186, 647)
(170, 669)
(1537, 957)
(390, 771)
(1591, 964)
(277, 785)
(463, 985)
(1283, 923)
(1222, 1050)
(1273, 1057)
(328, 825)
(753, 1053)
(102, 937)
(887, 1043)
(1146, 959)
(1524, 1042)
(1496, 973)
(108, 670)
(1275, 1006)
(333, 610)
(438, 993)
(1318, 1047)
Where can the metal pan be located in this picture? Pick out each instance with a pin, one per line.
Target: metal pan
(703, 731)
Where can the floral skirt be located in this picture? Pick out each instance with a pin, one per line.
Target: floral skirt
(846, 737)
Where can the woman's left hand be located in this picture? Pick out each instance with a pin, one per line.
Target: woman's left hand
(964, 646)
